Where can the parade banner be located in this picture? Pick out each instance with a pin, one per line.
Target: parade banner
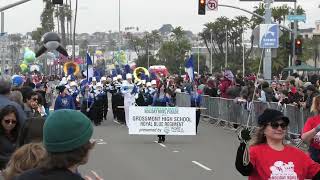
(151, 120)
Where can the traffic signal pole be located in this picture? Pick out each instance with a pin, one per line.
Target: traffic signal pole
(267, 64)
(294, 36)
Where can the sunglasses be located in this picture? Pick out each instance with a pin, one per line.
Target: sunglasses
(12, 121)
(275, 125)
(35, 99)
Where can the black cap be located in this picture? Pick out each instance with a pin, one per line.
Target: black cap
(311, 88)
(61, 88)
(271, 115)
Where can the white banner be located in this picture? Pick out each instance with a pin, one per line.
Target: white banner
(151, 120)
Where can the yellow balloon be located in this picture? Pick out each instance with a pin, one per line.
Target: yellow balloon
(23, 66)
(98, 52)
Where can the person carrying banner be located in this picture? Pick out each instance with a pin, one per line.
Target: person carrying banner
(162, 98)
(269, 157)
(196, 99)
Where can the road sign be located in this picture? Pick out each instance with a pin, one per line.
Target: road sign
(297, 18)
(269, 36)
(70, 50)
(212, 5)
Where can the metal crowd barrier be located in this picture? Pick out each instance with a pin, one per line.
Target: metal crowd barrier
(230, 111)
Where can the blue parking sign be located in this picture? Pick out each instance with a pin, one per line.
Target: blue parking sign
(269, 36)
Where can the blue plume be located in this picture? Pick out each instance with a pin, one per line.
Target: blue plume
(73, 78)
(113, 73)
(153, 76)
(135, 90)
(118, 70)
(127, 69)
(70, 70)
(143, 76)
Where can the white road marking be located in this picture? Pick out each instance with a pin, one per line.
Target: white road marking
(99, 141)
(116, 122)
(160, 144)
(175, 151)
(201, 165)
(102, 143)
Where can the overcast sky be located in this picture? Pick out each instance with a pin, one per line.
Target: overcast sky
(102, 15)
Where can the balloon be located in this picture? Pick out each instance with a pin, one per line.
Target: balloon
(29, 56)
(98, 53)
(24, 67)
(35, 67)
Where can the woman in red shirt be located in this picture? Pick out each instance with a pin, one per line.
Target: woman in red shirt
(311, 131)
(270, 158)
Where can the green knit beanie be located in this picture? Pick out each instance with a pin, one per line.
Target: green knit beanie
(66, 130)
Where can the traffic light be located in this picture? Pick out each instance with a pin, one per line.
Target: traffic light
(57, 2)
(298, 45)
(297, 62)
(202, 7)
(289, 47)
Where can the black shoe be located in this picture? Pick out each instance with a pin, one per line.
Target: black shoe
(163, 139)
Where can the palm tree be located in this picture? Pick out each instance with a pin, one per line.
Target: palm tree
(178, 33)
(156, 37)
(47, 22)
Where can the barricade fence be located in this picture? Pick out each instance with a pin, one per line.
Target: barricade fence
(243, 114)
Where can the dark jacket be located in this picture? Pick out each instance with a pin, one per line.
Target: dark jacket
(31, 131)
(54, 174)
(7, 147)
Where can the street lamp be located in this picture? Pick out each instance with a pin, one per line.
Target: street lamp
(8, 7)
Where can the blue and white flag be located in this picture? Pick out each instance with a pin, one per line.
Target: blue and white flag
(189, 68)
(89, 72)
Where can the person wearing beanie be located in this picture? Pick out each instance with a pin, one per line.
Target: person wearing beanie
(64, 100)
(269, 156)
(67, 148)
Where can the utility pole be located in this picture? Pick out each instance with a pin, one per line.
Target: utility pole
(74, 31)
(267, 64)
(119, 25)
(211, 53)
(226, 58)
(294, 36)
(198, 55)
(243, 55)
(2, 22)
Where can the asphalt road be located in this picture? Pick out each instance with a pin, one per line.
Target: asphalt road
(208, 156)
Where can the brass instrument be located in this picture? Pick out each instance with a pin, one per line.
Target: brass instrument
(137, 71)
(73, 65)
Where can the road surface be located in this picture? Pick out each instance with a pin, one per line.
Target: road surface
(208, 156)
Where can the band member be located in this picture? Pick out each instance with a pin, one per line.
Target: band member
(129, 91)
(74, 92)
(96, 110)
(106, 87)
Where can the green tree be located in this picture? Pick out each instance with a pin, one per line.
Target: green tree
(46, 17)
(222, 29)
(172, 53)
